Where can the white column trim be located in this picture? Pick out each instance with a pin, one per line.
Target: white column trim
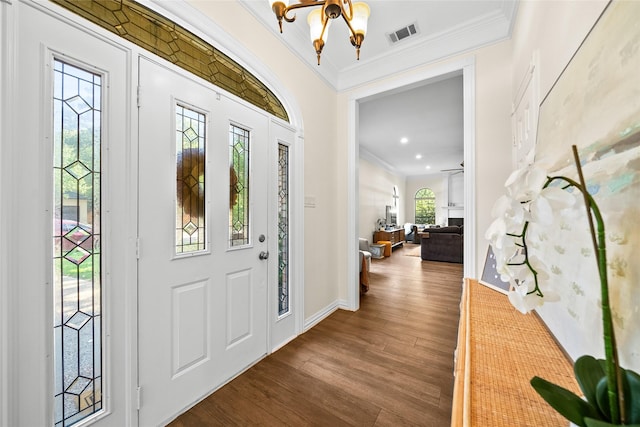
(8, 414)
(353, 198)
(297, 232)
(469, 114)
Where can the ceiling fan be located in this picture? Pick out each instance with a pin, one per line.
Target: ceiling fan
(455, 170)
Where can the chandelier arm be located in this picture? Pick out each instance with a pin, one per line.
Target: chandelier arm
(348, 22)
(301, 5)
(325, 22)
(344, 12)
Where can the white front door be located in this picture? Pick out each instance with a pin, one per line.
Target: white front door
(203, 240)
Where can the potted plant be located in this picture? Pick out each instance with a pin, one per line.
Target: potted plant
(611, 393)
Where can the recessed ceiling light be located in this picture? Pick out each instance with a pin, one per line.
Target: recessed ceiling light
(418, 156)
(404, 140)
(427, 167)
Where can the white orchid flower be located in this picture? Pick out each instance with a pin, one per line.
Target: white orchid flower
(524, 303)
(543, 211)
(525, 184)
(547, 201)
(510, 211)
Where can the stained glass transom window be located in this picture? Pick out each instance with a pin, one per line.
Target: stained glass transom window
(77, 284)
(283, 229)
(239, 186)
(163, 37)
(190, 179)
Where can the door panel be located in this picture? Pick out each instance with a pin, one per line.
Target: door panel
(202, 314)
(87, 365)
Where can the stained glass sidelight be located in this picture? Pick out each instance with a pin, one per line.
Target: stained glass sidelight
(283, 229)
(77, 284)
(190, 173)
(239, 186)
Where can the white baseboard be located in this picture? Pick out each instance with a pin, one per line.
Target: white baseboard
(321, 315)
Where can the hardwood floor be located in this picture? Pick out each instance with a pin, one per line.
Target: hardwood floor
(390, 363)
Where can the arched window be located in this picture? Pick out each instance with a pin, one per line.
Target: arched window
(425, 206)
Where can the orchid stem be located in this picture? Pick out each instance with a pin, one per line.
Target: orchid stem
(616, 394)
(585, 194)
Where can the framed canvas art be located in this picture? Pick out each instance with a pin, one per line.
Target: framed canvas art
(490, 277)
(595, 104)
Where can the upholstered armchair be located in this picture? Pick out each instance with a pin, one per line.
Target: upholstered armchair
(365, 253)
(411, 233)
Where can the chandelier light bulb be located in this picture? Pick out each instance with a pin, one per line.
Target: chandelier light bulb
(360, 18)
(318, 30)
(355, 16)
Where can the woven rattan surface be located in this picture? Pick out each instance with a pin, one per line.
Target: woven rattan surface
(507, 349)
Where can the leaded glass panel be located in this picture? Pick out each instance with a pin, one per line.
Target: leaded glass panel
(239, 186)
(190, 174)
(77, 284)
(163, 37)
(283, 229)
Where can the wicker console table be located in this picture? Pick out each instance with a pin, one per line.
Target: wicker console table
(499, 351)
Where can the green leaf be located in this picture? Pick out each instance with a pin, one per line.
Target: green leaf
(631, 382)
(588, 372)
(590, 422)
(631, 388)
(565, 402)
(602, 397)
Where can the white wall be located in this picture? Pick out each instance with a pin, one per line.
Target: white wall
(438, 184)
(376, 191)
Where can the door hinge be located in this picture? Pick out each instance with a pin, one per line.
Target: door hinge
(138, 96)
(138, 393)
(137, 248)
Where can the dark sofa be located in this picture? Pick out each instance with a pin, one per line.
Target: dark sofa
(443, 244)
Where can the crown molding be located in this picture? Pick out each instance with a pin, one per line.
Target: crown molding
(489, 29)
(485, 30)
(367, 155)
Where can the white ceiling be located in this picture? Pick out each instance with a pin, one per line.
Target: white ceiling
(430, 114)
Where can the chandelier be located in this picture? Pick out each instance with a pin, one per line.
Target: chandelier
(355, 15)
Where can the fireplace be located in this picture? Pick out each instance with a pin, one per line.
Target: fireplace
(456, 221)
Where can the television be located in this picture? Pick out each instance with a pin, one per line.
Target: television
(390, 216)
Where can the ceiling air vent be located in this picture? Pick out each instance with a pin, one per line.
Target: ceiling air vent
(403, 33)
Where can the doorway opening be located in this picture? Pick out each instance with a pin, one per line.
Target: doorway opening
(465, 66)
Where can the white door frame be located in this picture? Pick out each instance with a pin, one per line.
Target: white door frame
(467, 66)
(7, 275)
(184, 14)
(29, 284)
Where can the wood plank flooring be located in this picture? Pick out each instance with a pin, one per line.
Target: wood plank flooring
(388, 364)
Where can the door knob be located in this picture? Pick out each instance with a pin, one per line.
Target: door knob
(263, 255)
